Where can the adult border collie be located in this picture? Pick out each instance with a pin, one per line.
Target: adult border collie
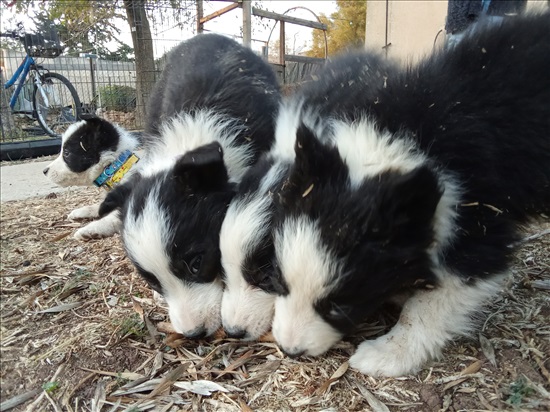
(420, 189)
(87, 148)
(246, 241)
(214, 110)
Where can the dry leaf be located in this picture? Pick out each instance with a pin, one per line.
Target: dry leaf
(487, 349)
(61, 308)
(342, 369)
(375, 404)
(201, 387)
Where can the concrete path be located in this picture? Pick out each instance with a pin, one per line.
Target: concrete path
(25, 180)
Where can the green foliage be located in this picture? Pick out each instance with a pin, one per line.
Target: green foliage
(51, 387)
(119, 98)
(346, 29)
(131, 325)
(83, 25)
(518, 391)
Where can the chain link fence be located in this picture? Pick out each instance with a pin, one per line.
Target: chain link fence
(105, 87)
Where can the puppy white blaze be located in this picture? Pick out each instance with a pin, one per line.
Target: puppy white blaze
(187, 132)
(369, 152)
(191, 306)
(288, 120)
(308, 268)
(247, 221)
(59, 172)
(427, 322)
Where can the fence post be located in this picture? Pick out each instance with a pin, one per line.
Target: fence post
(7, 124)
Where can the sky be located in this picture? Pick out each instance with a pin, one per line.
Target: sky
(230, 23)
(297, 35)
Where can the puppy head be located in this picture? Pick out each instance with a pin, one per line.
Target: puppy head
(247, 253)
(344, 245)
(171, 226)
(87, 147)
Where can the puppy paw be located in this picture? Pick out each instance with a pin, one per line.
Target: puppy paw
(385, 357)
(95, 230)
(86, 212)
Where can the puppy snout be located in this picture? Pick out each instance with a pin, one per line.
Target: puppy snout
(45, 171)
(196, 334)
(293, 352)
(235, 333)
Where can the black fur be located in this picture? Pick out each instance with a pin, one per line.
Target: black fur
(83, 148)
(206, 72)
(214, 72)
(480, 112)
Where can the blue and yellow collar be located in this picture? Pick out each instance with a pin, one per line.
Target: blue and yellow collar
(113, 173)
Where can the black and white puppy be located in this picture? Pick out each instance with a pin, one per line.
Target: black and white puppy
(246, 241)
(87, 148)
(420, 190)
(214, 111)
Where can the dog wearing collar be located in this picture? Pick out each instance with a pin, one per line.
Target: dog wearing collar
(94, 152)
(213, 110)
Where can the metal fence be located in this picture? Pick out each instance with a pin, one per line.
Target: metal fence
(106, 88)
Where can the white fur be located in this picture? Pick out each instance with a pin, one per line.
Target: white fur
(84, 212)
(308, 269)
(59, 173)
(245, 307)
(105, 227)
(191, 306)
(368, 152)
(187, 131)
(427, 322)
(247, 220)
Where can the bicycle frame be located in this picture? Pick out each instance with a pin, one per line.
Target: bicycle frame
(20, 74)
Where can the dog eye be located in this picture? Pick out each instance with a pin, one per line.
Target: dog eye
(278, 286)
(263, 280)
(195, 264)
(338, 312)
(277, 283)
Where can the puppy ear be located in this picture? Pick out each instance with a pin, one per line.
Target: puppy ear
(314, 162)
(308, 149)
(116, 198)
(202, 168)
(410, 200)
(98, 134)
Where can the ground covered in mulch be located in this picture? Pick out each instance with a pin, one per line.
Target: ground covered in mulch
(80, 331)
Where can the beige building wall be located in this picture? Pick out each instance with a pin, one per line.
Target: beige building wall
(414, 27)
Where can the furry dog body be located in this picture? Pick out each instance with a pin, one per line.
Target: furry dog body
(213, 111)
(87, 148)
(415, 185)
(246, 242)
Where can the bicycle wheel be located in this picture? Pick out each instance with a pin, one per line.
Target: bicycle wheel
(56, 104)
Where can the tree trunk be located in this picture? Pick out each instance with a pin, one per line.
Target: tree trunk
(143, 49)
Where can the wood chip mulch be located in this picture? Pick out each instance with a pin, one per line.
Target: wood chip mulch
(80, 331)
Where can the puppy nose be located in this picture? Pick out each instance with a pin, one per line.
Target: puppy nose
(235, 333)
(45, 171)
(196, 334)
(294, 352)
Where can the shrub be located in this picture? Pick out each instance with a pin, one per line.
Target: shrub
(119, 98)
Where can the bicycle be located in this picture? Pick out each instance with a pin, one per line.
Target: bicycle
(55, 103)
